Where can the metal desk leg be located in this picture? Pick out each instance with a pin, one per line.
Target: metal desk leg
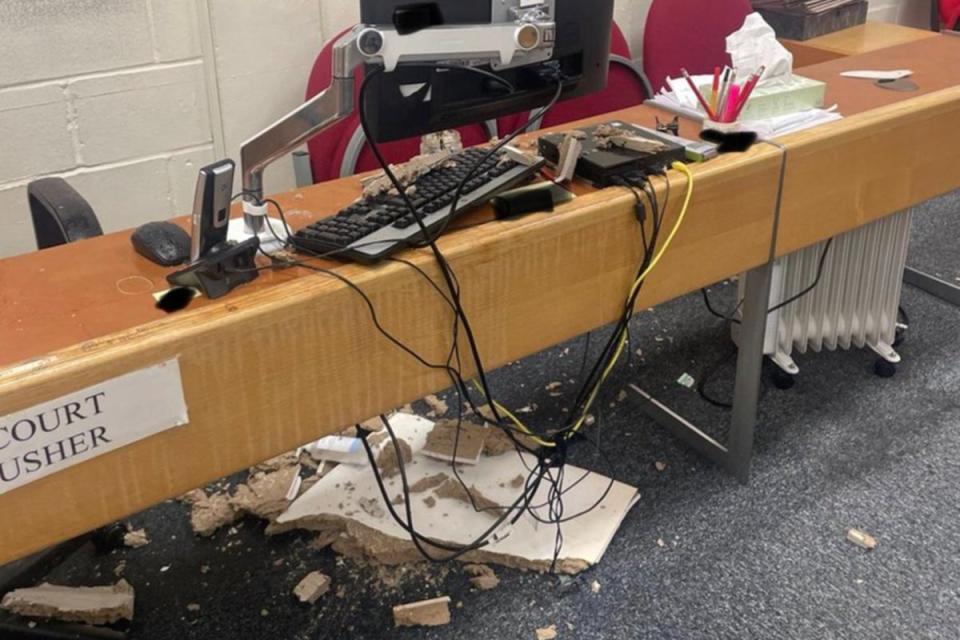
(936, 287)
(736, 455)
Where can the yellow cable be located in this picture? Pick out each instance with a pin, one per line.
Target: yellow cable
(684, 169)
(625, 334)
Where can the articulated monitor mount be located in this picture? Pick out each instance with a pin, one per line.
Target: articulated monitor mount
(524, 36)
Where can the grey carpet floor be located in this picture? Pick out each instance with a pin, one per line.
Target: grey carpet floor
(768, 560)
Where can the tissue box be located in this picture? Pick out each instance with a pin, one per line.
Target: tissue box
(780, 98)
(795, 24)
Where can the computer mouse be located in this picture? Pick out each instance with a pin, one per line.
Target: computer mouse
(163, 243)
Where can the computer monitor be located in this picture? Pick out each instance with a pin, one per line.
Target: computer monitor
(527, 43)
(414, 100)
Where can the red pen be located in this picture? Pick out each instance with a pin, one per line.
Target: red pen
(730, 113)
(748, 89)
(703, 103)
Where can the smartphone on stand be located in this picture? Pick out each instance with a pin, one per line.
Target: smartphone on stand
(211, 208)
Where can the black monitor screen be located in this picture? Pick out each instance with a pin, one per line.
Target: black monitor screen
(381, 12)
(447, 99)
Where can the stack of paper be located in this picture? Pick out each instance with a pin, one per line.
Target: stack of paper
(680, 99)
(806, 6)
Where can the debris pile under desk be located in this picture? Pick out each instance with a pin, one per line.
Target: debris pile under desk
(346, 505)
(327, 488)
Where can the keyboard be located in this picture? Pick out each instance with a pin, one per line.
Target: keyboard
(373, 228)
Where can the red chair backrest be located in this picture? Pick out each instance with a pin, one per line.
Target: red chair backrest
(624, 89)
(328, 149)
(689, 34)
(950, 13)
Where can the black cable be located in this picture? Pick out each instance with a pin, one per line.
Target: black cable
(556, 489)
(417, 538)
(459, 67)
(709, 373)
(445, 268)
(814, 285)
(806, 291)
(493, 150)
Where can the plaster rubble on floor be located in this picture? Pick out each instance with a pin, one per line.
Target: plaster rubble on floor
(426, 613)
(313, 585)
(526, 545)
(445, 440)
(92, 605)
(210, 512)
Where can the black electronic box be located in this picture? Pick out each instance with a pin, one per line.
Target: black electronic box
(602, 164)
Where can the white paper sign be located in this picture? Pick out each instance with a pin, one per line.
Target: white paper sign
(80, 426)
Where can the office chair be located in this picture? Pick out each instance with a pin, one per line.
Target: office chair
(342, 150)
(627, 86)
(949, 15)
(60, 214)
(689, 34)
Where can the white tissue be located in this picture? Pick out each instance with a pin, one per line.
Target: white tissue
(755, 45)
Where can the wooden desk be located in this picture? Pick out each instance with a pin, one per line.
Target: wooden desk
(865, 38)
(294, 356)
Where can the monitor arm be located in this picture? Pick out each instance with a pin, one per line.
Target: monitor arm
(527, 37)
(320, 112)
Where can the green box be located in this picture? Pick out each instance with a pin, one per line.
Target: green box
(781, 97)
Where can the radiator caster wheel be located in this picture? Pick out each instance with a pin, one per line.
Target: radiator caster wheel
(782, 380)
(884, 369)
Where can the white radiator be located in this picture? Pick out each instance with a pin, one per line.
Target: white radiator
(856, 302)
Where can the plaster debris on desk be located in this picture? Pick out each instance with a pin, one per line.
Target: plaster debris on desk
(91, 605)
(448, 140)
(408, 172)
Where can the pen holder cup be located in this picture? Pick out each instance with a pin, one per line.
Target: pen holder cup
(722, 127)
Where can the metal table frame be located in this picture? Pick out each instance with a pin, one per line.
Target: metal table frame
(946, 291)
(736, 454)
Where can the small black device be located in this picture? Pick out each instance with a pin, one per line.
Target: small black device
(211, 208)
(603, 164)
(223, 269)
(520, 202)
(373, 228)
(163, 243)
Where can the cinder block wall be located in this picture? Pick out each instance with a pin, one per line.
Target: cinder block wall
(126, 99)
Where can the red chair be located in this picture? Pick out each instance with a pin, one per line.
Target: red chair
(342, 150)
(627, 86)
(950, 14)
(689, 34)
